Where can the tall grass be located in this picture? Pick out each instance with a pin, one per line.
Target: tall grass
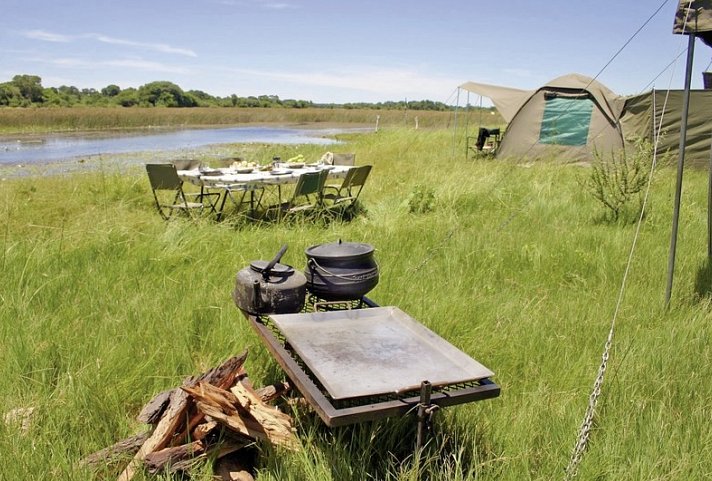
(32, 120)
(104, 304)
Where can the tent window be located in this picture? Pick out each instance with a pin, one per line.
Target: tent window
(566, 121)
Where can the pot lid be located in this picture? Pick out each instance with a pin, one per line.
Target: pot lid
(339, 249)
(277, 270)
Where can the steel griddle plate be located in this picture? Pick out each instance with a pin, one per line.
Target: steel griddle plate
(364, 352)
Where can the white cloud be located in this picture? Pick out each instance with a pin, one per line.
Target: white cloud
(158, 47)
(130, 63)
(390, 83)
(46, 36)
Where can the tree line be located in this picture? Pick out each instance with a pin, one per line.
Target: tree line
(27, 91)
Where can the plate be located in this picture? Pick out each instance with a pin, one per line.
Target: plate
(210, 172)
(281, 172)
(244, 170)
(296, 165)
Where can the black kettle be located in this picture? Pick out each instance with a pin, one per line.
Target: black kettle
(270, 287)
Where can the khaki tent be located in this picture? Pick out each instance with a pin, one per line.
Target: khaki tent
(572, 116)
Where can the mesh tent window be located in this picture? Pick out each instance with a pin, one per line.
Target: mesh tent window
(566, 120)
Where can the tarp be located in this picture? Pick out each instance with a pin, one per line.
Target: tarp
(694, 17)
(507, 100)
(638, 121)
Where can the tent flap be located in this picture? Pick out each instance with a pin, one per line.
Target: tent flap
(507, 100)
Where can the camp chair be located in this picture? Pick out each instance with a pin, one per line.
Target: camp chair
(344, 159)
(350, 188)
(307, 193)
(164, 177)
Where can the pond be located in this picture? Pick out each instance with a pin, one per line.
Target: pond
(54, 148)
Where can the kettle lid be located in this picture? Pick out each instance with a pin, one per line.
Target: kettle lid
(277, 270)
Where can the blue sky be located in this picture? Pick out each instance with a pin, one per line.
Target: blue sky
(339, 51)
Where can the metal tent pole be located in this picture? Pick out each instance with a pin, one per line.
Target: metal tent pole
(680, 165)
(709, 209)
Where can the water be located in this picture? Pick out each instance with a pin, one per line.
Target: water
(54, 148)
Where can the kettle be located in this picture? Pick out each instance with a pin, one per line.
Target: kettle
(270, 287)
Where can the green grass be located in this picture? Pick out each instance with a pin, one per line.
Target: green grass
(104, 305)
(38, 120)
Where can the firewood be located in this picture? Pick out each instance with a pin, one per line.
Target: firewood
(273, 391)
(232, 469)
(203, 429)
(179, 402)
(276, 425)
(114, 453)
(152, 411)
(252, 418)
(158, 460)
(216, 451)
(223, 377)
(162, 434)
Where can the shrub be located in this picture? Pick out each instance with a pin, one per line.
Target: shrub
(619, 181)
(421, 200)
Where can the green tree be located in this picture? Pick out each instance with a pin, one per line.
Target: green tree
(10, 95)
(127, 97)
(111, 90)
(164, 94)
(30, 87)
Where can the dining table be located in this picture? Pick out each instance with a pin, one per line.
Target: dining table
(249, 180)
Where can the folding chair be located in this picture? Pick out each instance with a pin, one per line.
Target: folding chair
(307, 193)
(350, 188)
(164, 177)
(344, 159)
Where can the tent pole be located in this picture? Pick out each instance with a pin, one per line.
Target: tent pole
(680, 165)
(454, 124)
(709, 209)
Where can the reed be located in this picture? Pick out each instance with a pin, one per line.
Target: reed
(33, 120)
(104, 305)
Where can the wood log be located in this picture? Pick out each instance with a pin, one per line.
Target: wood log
(162, 434)
(223, 377)
(116, 452)
(230, 468)
(179, 401)
(216, 451)
(153, 410)
(203, 429)
(158, 460)
(276, 425)
(273, 391)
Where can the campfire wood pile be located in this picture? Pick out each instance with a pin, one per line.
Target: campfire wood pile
(212, 416)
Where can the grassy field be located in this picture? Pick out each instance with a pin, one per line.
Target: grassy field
(38, 120)
(104, 305)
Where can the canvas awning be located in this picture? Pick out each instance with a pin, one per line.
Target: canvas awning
(507, 100)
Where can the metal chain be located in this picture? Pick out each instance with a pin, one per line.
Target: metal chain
(586, 425)
(584, 431)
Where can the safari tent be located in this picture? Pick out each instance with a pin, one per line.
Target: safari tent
(572, 116)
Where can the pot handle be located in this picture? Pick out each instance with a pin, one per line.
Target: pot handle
(333, 274)
(268, 268)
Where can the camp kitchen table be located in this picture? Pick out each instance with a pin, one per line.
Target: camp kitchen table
(227, 179)
(357, 361)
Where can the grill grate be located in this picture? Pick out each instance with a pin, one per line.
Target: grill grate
(314, 304)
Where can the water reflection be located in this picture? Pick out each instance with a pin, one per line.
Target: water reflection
(54, 148)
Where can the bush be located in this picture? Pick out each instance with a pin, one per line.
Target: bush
(619, 182)
(421, 200)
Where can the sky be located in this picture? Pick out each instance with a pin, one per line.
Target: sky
(345, 51)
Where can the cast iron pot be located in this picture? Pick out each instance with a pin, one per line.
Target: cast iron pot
(270, 287)
(341, 271)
